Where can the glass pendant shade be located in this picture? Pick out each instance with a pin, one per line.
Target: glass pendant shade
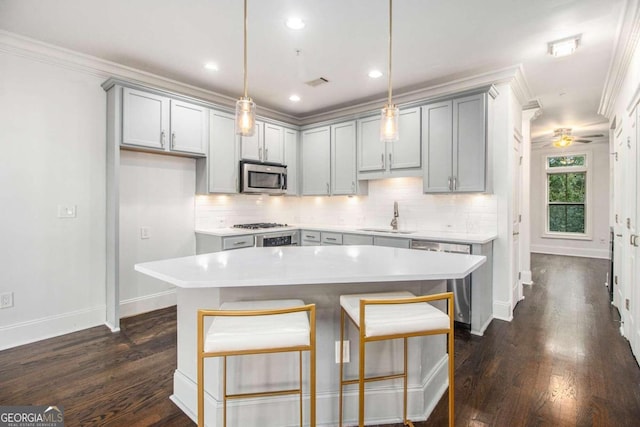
(245, 117)
(389, 123)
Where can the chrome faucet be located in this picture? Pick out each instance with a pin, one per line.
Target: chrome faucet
(394, 221)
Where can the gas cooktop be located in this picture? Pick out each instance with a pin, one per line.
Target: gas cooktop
(259, 225)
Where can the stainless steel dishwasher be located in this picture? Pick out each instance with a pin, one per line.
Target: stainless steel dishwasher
(461, 288)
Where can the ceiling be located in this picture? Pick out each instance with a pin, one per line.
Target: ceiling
(433, 41)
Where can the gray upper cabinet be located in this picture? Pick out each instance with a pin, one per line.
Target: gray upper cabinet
(377, 159)
(218, 173)
(266, 144)
(316, 161)
(152, 121)
(291, 153)
(455, 149)
(343, 159)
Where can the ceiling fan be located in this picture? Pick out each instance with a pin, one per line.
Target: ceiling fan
(562, 138)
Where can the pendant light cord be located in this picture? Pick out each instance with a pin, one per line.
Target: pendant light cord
(245, 49)
(390, 39)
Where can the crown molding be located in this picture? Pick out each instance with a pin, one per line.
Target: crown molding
(26, 47)
(626, 44)
(44, 52)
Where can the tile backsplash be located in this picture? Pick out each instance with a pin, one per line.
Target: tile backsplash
(471, 213)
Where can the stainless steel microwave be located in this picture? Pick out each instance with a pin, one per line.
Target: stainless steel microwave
(262, 178)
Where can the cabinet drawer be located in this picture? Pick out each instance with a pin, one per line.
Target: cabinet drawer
(356, 239)
(310, 236)
(331, 238)
(237, 242)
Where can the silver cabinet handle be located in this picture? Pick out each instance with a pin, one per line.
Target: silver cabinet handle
(308, 236)
(327, 188)
(333, 239)
(449, 184)
(260, 153)
(390, 163)
(618, 235)
(633, 240)
(162, 135)
(382, 159)
(353, 186)
(455, 183)
(173, 139)
(244, 242)
(266, 154)
(516, 233)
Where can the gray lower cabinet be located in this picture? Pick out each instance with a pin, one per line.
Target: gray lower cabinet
(454, 139)
(357, 239)
(394, 242)
(310, 238)
(206, 243)
(329, 238)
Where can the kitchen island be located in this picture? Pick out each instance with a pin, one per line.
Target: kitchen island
(318, 274)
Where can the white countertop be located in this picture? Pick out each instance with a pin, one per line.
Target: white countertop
(439, 236)
(293, 265)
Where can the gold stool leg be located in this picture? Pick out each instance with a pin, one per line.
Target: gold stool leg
(340, 407)
(361, 354)
(200, 372)
(404, 379)
(224, 388)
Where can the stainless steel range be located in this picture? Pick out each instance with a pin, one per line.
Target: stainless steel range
(272, 238)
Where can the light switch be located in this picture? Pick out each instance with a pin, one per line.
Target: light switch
(144, 233)
(66, 211)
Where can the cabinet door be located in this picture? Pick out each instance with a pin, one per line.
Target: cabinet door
(316, 144)
(343, 158)
(291, 160)
(357, 239)
(273, 143)
(252, 145)
(145, 119)
(469, 143)
(437, 147)
(405, 153)
(223, 160)
(371, 151)
(189, 127)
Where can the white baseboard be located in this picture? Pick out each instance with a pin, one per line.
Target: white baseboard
(568, 251)
(502, 310)
(384, 403)
(483, 328)
(147, 303)
(51, 326)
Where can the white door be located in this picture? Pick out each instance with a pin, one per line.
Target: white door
(189, 127)
(634, 274)
(516, 294)
(618, 188)
(145, 119)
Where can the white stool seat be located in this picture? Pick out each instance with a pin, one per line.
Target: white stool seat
(237, 333)
(390, 319)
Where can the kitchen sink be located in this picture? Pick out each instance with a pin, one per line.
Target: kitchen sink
(388, 230)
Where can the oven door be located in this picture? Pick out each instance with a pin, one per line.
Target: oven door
(263, 178)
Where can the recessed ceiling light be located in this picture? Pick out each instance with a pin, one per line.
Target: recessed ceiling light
(564, 47)
(295, 23)
(375, 74)
(294, 98)
(211, 66)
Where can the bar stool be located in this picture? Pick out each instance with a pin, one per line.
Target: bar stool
(391, 315)
(258, 327)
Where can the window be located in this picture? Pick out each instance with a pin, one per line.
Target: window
(567, 196)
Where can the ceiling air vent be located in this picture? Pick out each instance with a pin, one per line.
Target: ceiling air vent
(317, 82)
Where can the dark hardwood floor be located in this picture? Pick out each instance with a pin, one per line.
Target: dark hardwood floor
(560, 362)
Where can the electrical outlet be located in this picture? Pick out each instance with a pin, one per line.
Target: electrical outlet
(6, 300)
(345, 351)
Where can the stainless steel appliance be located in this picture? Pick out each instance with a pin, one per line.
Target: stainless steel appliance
(263, 178)
(259, 225)
(461, 288)
(278, 238)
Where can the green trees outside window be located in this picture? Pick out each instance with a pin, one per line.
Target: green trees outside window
(566, 194)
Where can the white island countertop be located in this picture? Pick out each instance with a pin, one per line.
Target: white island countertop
(293, 265)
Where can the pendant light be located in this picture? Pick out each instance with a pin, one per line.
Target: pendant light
(245, 107)
(390, 112)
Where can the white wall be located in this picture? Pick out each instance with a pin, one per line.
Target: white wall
(53, 153)
(156, 192)
(598, 210)
(473, 213)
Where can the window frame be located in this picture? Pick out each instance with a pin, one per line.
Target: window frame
(587, 169)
